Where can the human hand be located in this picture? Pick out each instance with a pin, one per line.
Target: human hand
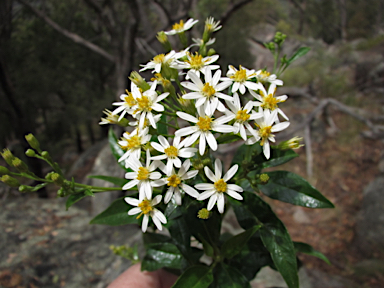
(133, 277)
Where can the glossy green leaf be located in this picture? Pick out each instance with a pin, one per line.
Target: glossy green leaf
(229, 277)
(115, 214)
(195, 277)
(252, 258)
(275, 237)
(234, 245)
(153, 238)
(291, 188)
(308, 249)
(299, 53)
(115, 147)
(278, 157)
(208, 249)
(72, 199)
(245, 153)
(115, 180)
(161, 255)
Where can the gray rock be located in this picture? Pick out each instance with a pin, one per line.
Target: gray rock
(370, 221)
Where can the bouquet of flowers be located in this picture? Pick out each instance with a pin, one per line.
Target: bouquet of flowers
(177, 121)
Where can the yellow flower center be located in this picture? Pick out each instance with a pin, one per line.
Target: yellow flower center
(270, 102)
(159, 58)
(144, 104)
(133, 142)
(142, 174)
(129, 99)
(264, 133)
(196, 61)
(171, 151)
(178, 26)
(263, 75)
(203, 213)
(204, 123)
(242, 116)
(208, 90)
(240, 75)
(220, 186)
(145, 207)
(174, 180)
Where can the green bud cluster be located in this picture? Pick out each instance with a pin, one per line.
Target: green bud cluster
(20, 165)
(8, 156)
(33, 142)
(10, 181)
(279, 38)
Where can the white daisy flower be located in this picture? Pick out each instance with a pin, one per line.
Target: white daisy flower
(266, 77)
(142, 176)
(207, 94)
(196, 63)
(202, 130)
(181, 27)
(176, 184)
(172, 152)
(132, 143)
(128, 102)
(163, 59)
(211, 25)
(242, 115)
(146, 207)
(109, 119)
(199, 42)
(146, 102)
(268, 101)
(240, 78)
(266, 128)
(215, 192)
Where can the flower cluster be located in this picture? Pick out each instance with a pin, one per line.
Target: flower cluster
(178, 118)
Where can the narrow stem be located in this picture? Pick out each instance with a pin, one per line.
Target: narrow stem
(169, 114)
(170, 125)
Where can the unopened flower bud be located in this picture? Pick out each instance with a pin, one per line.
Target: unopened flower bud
(62, 192)
(8, 156)
(293, 143)
(3, 171)
(46, 156)
(136, 78)
(264, 178)
(30, 153)
(33, 142)
(163, 39)
(203, 214)
(20, 165)
(25, 188)
(198, 164)
(10, 181)
(57, 179)
(211, 52)
(279, 38)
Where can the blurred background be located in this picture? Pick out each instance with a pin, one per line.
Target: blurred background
(63, 62)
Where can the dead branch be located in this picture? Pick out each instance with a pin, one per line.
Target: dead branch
(74, 37)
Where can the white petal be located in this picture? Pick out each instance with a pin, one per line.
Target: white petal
(234, 195)
(206, 195)
(205, 186)
(202, 144)
(134, 211)
(144, 225)
(211, 141)
(130, 184)
(156, 200)
(218, 168)
(212, 201)
(189, 190)
(210, 174)
(187, 117)
(157, 146)
(266, 149)
(231, 172)
(234, 187)
(220, 203)
(132, 201)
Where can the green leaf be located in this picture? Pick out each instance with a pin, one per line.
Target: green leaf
(195, 277)
(299, 53)
(208, 249)
(291, 188)
(229, 277)
(278, 157)
(72, 199)
(275, 237)
(161, 255)
(88, 192)
(115, 180)
(228, 138)
(115, 215)
(252, 258)
(234, 245)
(161, 126)
(308, 249)
(153, 238)
(115, 147)
(245, 153)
